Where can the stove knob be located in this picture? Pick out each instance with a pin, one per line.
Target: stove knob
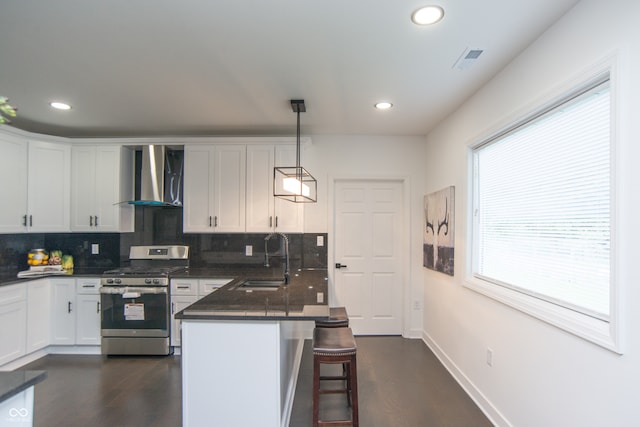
(118, 281)
(156, 281)
(109, 280)
(147, 281)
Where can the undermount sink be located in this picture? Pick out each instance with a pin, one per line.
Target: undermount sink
(259, 285)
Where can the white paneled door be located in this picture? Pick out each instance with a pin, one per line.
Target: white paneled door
(368, 277)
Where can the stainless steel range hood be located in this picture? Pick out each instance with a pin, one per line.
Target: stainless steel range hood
(160, 177)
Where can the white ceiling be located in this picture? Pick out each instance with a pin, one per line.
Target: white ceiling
(230, 67)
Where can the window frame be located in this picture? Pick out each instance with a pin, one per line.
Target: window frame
(605, 333)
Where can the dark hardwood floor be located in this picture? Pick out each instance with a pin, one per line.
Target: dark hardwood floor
(401, 383)
(102, 391)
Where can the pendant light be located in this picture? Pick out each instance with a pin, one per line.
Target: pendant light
(294, 183)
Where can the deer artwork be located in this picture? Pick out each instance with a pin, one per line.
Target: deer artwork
(445, 221)
(438, 231)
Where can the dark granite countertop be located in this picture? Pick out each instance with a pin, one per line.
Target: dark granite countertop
(14, 382)
(11, 277)
(296, 301)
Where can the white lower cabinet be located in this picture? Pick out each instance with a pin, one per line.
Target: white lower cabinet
(13, 322)
(75, 315)
(206, 286)
(63, 314)
(87, 312)
(52, 311)
(185, 292)
(179, 303)
(38, 314)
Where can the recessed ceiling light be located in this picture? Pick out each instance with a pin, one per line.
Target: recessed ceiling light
(383, 105)
(427, 15)
(60, 105)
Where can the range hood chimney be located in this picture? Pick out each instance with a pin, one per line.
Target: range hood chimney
(160, 177)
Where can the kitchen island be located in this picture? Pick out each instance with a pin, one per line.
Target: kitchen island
(242, 346)
(16, 396)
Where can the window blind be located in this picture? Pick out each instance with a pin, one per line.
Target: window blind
(542, 205)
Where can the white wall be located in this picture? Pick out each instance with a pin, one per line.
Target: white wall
(541, 375)
(332, 157)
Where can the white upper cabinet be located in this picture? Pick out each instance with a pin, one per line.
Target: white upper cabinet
(49, 187)
(13, 183)
(35, 190)
(266, 213)
(101, 177)
(260, 214)
(214, 188)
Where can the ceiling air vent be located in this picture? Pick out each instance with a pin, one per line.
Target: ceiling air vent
(467, 59)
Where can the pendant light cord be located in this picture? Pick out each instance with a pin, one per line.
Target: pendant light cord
(298, 171)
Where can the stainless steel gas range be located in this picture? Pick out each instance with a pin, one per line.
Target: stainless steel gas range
(135, 301)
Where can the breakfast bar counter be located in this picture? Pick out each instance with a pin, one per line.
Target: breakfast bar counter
(242, 346)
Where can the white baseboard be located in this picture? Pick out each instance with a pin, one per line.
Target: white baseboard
(74, 349)
(52, 349)
(24, 360)
(413, 334)
(476, 395)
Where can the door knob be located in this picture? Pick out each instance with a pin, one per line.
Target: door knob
(338, 265)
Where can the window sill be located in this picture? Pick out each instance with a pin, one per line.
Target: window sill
(599, 332)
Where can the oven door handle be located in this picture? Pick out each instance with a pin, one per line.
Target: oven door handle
(133, 291)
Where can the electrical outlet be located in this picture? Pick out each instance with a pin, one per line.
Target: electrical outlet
(416, 305)
(320, 297)
(95, 249)
(319, 240)
(489, 357)
(248, 250)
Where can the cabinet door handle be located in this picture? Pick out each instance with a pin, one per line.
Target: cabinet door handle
(24, 220)
(270, 221)
(210, 221)
(183, 286)
(276, 221)
(69, 307)
(215, 221)
(98, 307)
(90, 221)
(30, 220)
(96, 220)
(173, 308)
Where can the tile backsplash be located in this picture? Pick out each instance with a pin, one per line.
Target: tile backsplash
(158, 226)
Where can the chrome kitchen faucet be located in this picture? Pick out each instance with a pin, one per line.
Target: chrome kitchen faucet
(286, 253)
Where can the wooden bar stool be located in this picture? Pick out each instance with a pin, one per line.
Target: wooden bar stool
(335, 346)
(338, 318)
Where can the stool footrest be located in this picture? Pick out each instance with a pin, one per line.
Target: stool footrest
(333, 378)
(335, 423)
(334, 391)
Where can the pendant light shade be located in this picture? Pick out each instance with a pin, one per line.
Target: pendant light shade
(294, 183)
